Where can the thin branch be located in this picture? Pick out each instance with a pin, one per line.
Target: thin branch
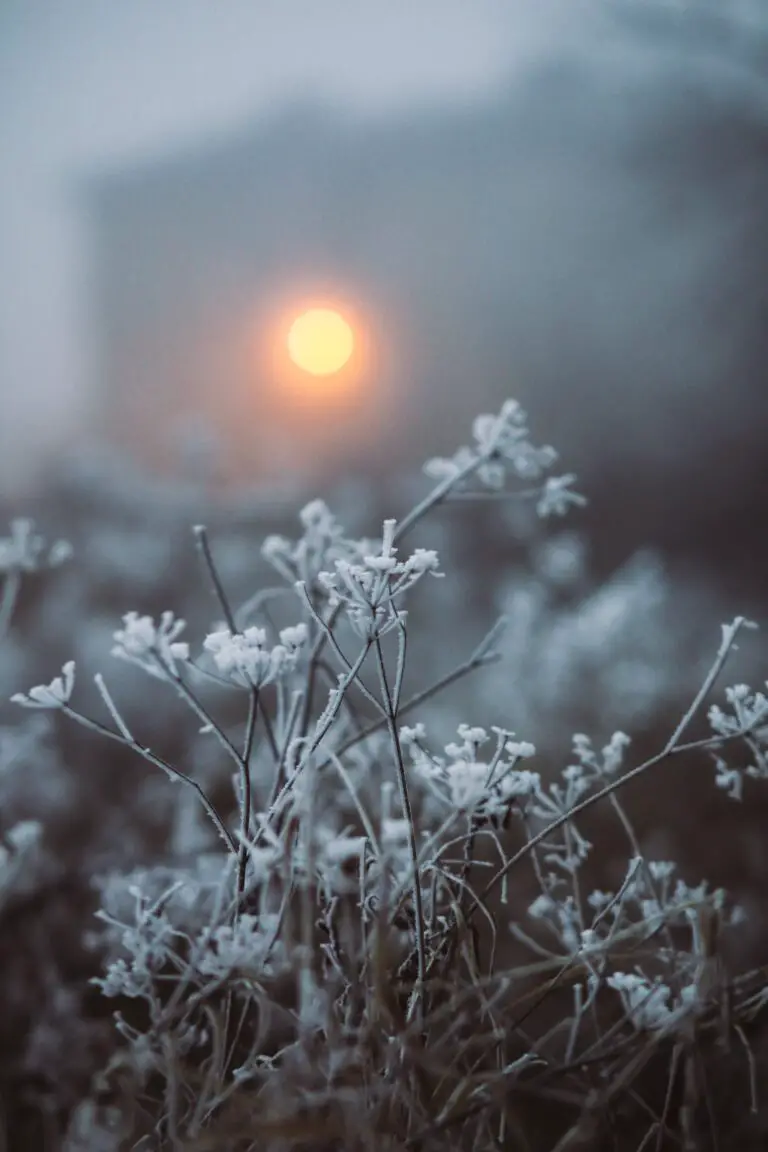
(10, 594)
(402, 781)
(245, 799)
(669, 750)
(204, 548)
(157, 762)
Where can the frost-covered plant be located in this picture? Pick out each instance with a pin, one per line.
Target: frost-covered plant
(154, 648)
(614, 654)
(53, 695)
(346, 977)
(245, 659)
(22, 552)
(18, 849)
(25, 550)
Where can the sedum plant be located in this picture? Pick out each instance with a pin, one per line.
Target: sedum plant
(390, 941)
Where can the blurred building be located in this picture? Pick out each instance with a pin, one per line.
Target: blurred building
(594, 243)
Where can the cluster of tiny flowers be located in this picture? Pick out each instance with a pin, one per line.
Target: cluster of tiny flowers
(646, 1003)
(557, 496)
(246, 659)
(148, 943)
(322, 543)
(750, 709)
(561, 916)
(612, 753)
(749, 718)
(676, 904)
(26, 551)
(500, 443)
(241, 947)
(153, 647)
(53, 695)
(560, 798)
(673, 904)
(368, 589)
(467, 782)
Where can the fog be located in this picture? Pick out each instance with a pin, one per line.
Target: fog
(85, 85)
(565, 203)
(562, 203)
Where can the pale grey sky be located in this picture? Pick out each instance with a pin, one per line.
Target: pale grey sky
(89, 83)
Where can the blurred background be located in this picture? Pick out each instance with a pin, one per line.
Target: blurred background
(560, 201)
(106, 107)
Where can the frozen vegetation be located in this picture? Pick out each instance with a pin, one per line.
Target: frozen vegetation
(313, 838)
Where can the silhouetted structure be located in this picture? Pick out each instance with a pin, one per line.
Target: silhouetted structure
(593, 243)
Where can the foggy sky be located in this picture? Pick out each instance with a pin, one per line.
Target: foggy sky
(613, 280)
(86, 84)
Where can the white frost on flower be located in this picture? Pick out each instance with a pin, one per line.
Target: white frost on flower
(501, 442)
(494, 433)
(368, 590)
(472, 735)
(448, 468)
(122, 979)
(582, 746)
(413, 735)
(24, 549)
(471, 739)
(322, 543)
(748, 719)
(721, 723)
(238, 947)
(246, 659)
(570, 929)
(53, 695)
(294, 637)
(646, 1004)
(466, 783)
(543, 905)
(316, 516)
(729, 779)
(520, 783)
(521, 749)
(750, 710)
(153, 647)
(423, 560)
(589, 940)
(557, 497)
(613, 752)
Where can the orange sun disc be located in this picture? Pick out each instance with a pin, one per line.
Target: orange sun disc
(320, 341)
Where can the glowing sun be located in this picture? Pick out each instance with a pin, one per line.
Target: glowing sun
(320, 341)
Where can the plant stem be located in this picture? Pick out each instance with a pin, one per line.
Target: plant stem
(408, 813)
